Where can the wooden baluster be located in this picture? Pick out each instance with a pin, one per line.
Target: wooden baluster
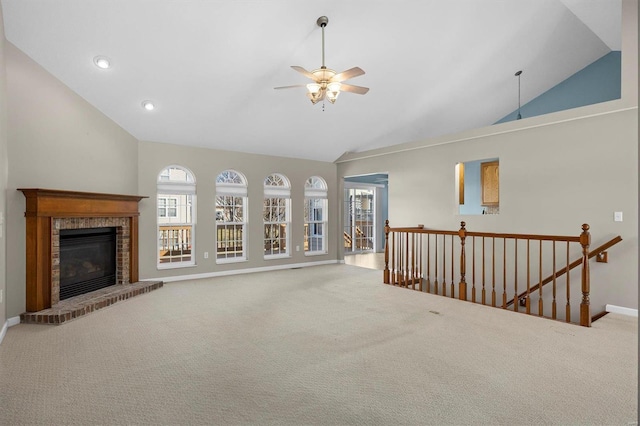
(515, 283)
(416, 272)
(568, 307)
(413, 261)
(493, 272)
(406, 261)
(435, 283)
(484, 292)
(473, 269)
(540, 308)
(400, 258)
(462, 286)
(444, 265)
(428, 263)
(393, 258)
(420, 276)
(553, 304)
(453, 290)
(504, 273)
(386, 278)
(585, 309)
(528, 299)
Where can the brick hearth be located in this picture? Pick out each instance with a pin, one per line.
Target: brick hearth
(78, 306)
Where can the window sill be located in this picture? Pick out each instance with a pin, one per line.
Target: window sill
(176, 265)
(277, 256)
(234, 260)
(315, 253)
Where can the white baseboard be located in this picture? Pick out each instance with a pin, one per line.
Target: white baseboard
(9, 323)
(242, 271)
(621, 310)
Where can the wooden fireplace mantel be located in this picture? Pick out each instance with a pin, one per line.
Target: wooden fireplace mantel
(42, 207)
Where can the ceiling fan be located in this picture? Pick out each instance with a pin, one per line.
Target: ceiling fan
(327, 83)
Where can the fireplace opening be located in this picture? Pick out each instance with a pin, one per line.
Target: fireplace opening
(87, 260)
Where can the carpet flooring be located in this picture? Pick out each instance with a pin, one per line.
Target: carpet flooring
(327, 345)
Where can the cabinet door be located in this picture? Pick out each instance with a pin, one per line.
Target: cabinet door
(489, 177)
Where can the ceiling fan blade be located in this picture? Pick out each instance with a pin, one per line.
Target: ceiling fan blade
(304, 72)
(346, 75)
(354, 89)
(290, 87)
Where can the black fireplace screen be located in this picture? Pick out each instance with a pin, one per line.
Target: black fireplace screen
(87, 260)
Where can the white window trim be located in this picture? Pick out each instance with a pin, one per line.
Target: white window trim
(165, 189)
(319, 193)
(234, 190)
(273, 191)
(287, 222)
(245, 225)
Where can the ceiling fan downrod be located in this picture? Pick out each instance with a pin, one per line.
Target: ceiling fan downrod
(322, 22)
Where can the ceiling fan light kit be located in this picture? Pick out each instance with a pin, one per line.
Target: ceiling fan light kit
(327, 83)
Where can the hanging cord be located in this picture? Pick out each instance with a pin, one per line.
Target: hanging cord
(519, 115)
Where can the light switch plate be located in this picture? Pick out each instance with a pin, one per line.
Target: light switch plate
(617, 216)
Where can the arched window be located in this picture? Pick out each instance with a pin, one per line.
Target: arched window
(176, 217)
(231, 217)
(276, 215)
(315, 216)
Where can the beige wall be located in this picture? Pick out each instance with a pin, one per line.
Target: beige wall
(206, 164)
(557, 172)
(552, 180)
(4, 170)
(55, 140)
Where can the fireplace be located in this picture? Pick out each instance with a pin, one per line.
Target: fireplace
(87, 260)
(55, 219)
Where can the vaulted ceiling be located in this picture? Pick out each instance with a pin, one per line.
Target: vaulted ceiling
(434, 67)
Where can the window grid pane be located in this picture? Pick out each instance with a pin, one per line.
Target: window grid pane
(314, 226)
(276, 223)
(230, 227)
(175, 224)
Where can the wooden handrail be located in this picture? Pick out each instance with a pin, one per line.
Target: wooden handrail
(564, 270)
(424, 259)
(421, 230)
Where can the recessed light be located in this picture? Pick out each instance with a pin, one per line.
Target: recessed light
(148, 105)
(102, 62)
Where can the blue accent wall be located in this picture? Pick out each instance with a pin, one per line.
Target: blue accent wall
(598, 82)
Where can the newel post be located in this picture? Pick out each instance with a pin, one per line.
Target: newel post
(585, 313)
(387, 279)
(462, 287)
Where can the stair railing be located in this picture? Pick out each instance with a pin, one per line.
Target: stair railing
(593, 253)
(436, 261)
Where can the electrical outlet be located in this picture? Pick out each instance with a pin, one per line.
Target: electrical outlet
(297, 248)
(206, 254)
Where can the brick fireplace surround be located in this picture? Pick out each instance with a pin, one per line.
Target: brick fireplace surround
(49, 211)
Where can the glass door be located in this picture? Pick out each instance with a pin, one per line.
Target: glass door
(359, 221)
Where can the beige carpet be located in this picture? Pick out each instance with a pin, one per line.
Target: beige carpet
(323, 345)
